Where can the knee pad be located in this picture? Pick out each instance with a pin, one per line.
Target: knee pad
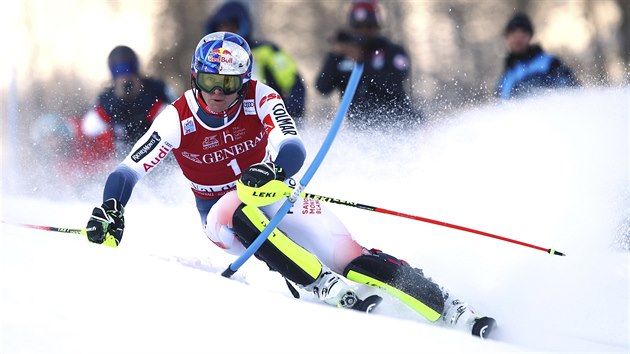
(278, 251)
(400, 280)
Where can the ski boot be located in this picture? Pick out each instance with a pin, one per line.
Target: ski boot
(458, 314)
(483, 326)
(332, 290)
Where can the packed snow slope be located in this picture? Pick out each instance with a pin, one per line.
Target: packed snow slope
(550, 171)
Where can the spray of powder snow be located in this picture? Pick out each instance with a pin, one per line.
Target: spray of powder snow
(551, 171)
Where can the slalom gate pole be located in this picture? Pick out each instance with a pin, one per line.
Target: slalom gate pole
(64, 230)
(353, 82)
(322, 198)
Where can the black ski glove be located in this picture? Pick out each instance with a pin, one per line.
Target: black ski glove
(107, 223)
(257, 175)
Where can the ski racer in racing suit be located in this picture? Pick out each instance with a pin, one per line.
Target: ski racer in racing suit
(230, 130)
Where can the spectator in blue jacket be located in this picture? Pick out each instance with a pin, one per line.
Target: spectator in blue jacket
(272, 65)
(527, 66)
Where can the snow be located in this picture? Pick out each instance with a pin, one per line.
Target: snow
(550, 171)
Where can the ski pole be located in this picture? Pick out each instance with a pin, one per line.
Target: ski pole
(109, 240)
(64, 230)
(353, 82)
(551, 251)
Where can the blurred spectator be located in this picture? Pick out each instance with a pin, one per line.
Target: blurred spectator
(52, 139)
(381, 98)
(124, 110)
(56, 156)
(272, 65)
(527, 66)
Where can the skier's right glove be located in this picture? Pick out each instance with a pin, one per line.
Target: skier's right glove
(107, 223)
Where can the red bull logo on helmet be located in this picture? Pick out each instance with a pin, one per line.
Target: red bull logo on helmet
(220, 55)
(222, 51)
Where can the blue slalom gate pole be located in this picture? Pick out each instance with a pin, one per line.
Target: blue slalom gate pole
(353, 82)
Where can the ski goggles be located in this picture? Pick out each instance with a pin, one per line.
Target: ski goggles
(229, 84)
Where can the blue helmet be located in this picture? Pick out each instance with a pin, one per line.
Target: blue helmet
(223, 53)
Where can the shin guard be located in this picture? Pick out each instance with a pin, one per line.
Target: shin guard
(278, 251)
(400, 280)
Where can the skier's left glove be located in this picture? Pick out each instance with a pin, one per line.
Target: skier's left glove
(262, 184)
(107, 223)
(257, 175)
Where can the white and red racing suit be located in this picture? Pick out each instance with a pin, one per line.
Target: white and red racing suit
(212, 152)
(213, 149)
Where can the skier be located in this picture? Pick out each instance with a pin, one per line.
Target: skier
(230, 130)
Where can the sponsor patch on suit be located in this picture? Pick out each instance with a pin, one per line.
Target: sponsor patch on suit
(188, 126)
(249, 107)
